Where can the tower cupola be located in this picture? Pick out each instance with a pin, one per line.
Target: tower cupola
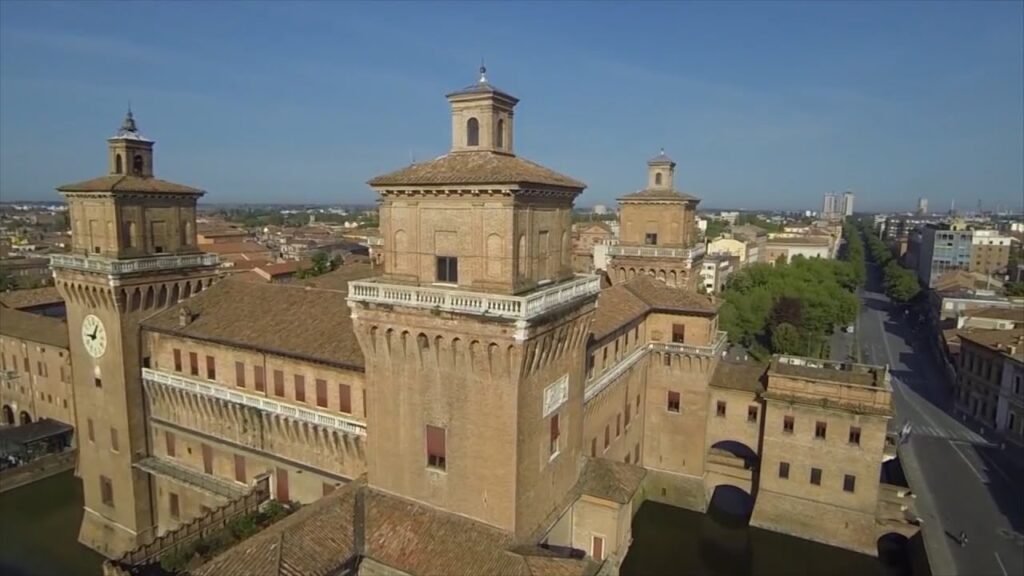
(482, 117)
(131, 154)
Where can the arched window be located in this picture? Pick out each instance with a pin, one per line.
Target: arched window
(118, 164)
(499, 135)
(137, 165)
(657, 179)
(472, 132)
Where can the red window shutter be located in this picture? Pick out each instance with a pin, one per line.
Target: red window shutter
(300, 388)
(211, 368)
(169, 439)
(240, 468)
(321, 393)
(435, 441)
(597, 550)
(257, 373)
(177, 360)
(240, 374)
(554, 434)
(193, 363)
(278, 383)
(345, 396)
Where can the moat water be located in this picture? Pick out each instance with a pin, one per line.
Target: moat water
(39, 531)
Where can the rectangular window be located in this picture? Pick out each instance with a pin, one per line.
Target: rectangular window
(27, 366)
(211, 368)
(618, 425)
(787, 424)
(650, 239)
(849, 483)
(207, 459)
(751, 413)
(114, 444)
(240, 374)
(345, 398)
(436, 454)
(107, 491)
(555, 432)
(816, 476)
(300, 388)
(784, 470)
(169, 441)
(673, 401)
(720, 409)
(597, 548)
(678, 333)
(638, 404)
(279, 383)
(240, 468)
(39, 367)
(855, 435)
(627, 413)
(321, 393)
(819, 430)
(282, 485)
(174, 505)
(193, 363)
(636, 454)
(593, 447)
(89, 430)
(607, 437)
(145, 362)
(257, 377)
(448, 269)
(177, 360)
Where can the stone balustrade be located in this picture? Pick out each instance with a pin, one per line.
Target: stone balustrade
(525, 307)
(127, 266)
(714, 349)
(656, 251)
(260, 402)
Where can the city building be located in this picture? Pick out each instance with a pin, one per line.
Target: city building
(922, 206)
(35, 369)
(658, 230)
(585, 236)
(952, 246)
(746, 250)
(715, 271)
(27, 271)
(505, 414)
(990, 379)
(990, 252)
(837, 206)
(786, 247)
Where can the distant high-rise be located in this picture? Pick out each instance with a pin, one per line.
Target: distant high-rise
(922, 206)
(837, 206)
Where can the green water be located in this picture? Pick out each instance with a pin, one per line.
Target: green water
(671, 541)
(39, 530)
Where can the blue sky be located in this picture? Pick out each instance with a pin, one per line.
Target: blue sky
(762, 105)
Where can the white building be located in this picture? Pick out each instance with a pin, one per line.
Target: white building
(600, 209)
(714, 272)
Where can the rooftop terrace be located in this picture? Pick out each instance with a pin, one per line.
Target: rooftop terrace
(830, 371)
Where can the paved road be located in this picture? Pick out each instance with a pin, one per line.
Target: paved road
(963, 482)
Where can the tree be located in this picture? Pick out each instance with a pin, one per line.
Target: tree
(6, 281)
(788, 310)
(715, 228)
(321, 264)
(1015, 289)
(786, 339)
(900, 284)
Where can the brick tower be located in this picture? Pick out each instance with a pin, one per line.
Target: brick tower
(474, 336)
(133, 252)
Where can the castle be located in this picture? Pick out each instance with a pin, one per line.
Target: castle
(471, 406)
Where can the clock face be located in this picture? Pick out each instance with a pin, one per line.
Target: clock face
(94, 335)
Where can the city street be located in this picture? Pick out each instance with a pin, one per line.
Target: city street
(963, 481)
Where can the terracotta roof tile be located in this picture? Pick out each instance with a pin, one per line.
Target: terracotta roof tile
(126, 183)
(616, 307)
(661, 194)
(747, 376)
(401, 534)
(234, 248)
(29, 298)
(660, 296)
(285, 319)
(611, 480)
(476, 168)
(33, 327)
(1008, 342)
(994, 313)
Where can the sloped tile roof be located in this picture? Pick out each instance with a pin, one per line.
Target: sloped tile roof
(660, 296)
(287, 319)
(616, 307)
(127, 183)
(661, 194)
(746, 376)
(33, 327)
(401, 534)
(1008, 342)
(476, 168)
(610, 480)
(31, 297)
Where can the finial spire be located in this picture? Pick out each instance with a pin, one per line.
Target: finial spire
(129, 121)
(662, 152)
(483, 71)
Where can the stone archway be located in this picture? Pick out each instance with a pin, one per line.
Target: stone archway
(731, 504)
(7, 417)
(25, 418)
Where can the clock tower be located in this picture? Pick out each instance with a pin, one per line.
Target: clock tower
(134, 252)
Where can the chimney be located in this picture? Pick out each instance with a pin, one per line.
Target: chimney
(184, 316)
